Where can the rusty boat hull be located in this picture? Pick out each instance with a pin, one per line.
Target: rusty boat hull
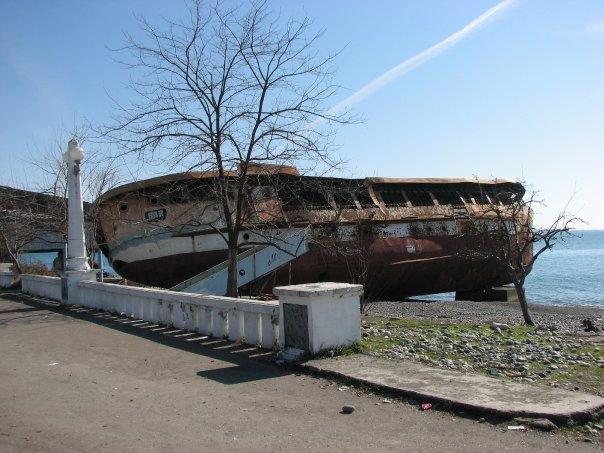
(391, 275)
(411, 245)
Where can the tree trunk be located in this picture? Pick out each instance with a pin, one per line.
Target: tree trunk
(16, 261)
(16, 264)
(523, 304)
(232, 288)
(18, 267)
(14, 257)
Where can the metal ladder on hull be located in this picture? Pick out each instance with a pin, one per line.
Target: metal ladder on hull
(252, 264)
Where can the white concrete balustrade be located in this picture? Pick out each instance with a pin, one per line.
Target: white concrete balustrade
(42, 286)
(328, 314)
(246, 321)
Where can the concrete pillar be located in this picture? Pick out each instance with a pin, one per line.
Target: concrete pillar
(76, 268)
(319, 316)
(76, 244)
(7, 276)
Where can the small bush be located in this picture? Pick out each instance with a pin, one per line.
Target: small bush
(37, 268)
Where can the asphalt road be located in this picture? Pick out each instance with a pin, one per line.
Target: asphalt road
(77, 382)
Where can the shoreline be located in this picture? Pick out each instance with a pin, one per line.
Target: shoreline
(554, 317)
(569, 308)
(429, 298)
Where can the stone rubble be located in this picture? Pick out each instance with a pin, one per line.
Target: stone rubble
(542, 424)
(499, 354)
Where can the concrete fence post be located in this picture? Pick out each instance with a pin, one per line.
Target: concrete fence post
(315, 317)
(7, 276)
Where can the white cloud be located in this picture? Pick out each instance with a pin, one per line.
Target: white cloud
(422, 57)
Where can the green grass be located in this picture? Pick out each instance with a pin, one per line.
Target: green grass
(340, 351)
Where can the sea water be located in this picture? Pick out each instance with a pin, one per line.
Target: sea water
(572, 273)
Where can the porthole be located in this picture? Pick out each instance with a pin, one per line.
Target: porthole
(123, 207)
(246, 236)
(153, 200)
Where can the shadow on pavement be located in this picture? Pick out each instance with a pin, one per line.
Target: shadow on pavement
(19, 310)
(251, 364)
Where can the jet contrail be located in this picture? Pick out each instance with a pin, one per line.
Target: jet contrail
(413, 62)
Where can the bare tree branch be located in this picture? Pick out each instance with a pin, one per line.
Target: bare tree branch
(502, 231)
(222, 92)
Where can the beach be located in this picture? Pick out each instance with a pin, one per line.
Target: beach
(564, 318)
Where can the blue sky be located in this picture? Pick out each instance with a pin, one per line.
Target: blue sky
(521, 97)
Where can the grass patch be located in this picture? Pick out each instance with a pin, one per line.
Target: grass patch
(355, 348)
(520, 352)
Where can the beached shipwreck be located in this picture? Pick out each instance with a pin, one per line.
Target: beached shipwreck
(399, 237)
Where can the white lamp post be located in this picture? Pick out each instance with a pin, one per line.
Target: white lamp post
(77, 268)
(76, 245)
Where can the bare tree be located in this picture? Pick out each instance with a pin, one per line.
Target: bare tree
(223, 92)
(501, 232)
(26, 219)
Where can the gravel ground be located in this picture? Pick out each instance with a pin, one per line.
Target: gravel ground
(558, 352)
(561, 318)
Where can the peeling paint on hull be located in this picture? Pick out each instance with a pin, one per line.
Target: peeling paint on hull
(407, 233)
(397, 267)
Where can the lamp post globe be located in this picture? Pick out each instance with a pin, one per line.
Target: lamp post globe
(76, 153)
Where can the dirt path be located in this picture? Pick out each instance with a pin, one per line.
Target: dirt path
(73, 381)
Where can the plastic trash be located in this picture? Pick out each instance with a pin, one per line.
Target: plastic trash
(521, 428)
(426, 406)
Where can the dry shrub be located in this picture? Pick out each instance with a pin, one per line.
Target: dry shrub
(37, 268)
